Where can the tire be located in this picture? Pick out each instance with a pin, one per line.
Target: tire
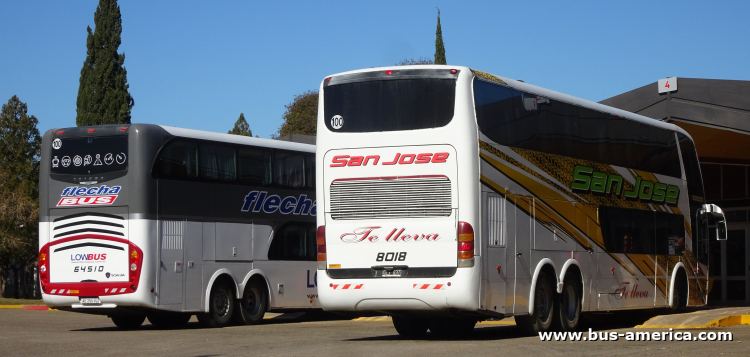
(679, 297)
(128, 322)
(168, 320)
(544, 306)
(220, 307)
(569, 306)
(410, 327)
(251, 308)
(445, 327)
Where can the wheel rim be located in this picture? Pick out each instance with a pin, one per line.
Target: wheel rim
(221, 303)
(252, 300)
(542, 303)
(569, 303)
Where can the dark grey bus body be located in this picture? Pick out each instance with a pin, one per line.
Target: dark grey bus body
(195, 207)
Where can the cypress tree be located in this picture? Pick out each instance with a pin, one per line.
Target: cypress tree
(439, 48)
(103, 96)
(241, 127)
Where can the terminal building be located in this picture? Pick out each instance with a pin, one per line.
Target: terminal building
(716, 113)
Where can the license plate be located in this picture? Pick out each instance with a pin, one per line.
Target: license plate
(392, 273)
(93, 301)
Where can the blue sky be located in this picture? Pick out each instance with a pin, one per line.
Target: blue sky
(199, 64)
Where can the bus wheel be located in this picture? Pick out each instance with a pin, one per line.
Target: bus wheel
(679, 297)
(128, 322)
(220, 307)
(168, 320)
(569, 307)
(252, 306)
(541, 319)
(410, 327)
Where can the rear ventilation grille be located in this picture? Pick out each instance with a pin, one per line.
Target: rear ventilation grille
(391, 197)
(89, 223)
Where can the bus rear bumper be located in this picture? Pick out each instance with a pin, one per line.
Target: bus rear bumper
(108, 303)
(394, 294)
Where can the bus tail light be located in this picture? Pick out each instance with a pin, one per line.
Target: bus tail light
(465, 241)
(44, 266)
(135, 260)
(321, 239)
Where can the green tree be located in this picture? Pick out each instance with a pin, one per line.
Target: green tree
(411, 62)
(103, 96)
(241, 127)
(19, 184)
(439, 48)
(301, 115)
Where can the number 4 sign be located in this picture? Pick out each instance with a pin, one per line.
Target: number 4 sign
(668, 85)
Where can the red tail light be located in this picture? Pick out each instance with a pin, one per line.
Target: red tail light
(135, 260)
(321, 238)
(91, 130)
(465, 241)
(44, 266)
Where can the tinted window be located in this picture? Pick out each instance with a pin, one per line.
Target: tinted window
(254, 166)
(389, 105)
(178, 160)
(642, 232)
(217, 163)
(525, 120)
(695, 197)
(294, 241)
(288, 169)
(209, 161)
(310, 171)
(89, 155)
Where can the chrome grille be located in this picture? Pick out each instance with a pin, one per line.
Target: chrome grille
(400, 197)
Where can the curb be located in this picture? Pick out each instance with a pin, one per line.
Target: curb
(27, 307)
(725, 321)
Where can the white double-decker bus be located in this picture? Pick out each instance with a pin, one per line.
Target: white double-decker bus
(449, 196)
(147, 221)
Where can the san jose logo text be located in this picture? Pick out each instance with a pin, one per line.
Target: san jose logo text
(586, 179)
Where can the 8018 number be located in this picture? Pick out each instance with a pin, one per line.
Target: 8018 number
(391, 257)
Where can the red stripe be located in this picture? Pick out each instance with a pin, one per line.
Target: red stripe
(414, 286)
(335, 286)
(389, 178)
(346, 286)
(359, 286)
(425, 286)
(438, 286)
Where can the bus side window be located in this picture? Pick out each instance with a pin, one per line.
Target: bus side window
(288, 169)
(254, 166)
(217, 163)
(310, 171)
(294, 241)
(178, 160)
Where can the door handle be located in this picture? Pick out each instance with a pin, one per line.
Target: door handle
(519, 254)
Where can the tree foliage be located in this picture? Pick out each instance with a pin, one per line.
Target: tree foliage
(19, 184)
(439, 48)
(412, 62)
(241, 127)
(301, 115)
(103, 96)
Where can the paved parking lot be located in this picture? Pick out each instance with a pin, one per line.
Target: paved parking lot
(57, 333)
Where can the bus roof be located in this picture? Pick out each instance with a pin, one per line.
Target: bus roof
(525, 87)
(238, 139)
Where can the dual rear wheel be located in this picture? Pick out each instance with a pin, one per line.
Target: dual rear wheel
(552, 311)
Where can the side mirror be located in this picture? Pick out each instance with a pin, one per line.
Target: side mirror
(721, 221)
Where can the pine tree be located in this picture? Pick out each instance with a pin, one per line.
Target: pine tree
(439, 48)
(19, 184)
(301, 116)
(103, 96)
(241, 127)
